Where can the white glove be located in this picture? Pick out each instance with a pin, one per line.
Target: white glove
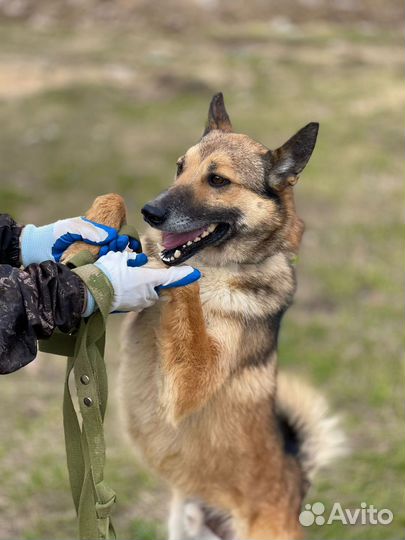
(136, 287)
(48, 243)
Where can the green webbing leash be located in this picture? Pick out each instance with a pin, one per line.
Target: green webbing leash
(84, 441)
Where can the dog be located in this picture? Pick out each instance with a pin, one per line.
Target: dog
(237, 443)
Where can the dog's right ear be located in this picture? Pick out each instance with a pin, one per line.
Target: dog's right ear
(217, 116)
(287, 162)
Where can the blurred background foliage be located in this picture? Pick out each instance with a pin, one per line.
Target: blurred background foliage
(99, 96)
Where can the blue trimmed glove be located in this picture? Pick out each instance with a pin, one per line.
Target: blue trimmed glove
(48, 243)
(136, 288)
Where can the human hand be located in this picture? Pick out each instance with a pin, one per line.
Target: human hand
(136, 287)
(49, 242)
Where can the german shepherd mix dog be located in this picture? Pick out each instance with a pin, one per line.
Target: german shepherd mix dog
(237, 443)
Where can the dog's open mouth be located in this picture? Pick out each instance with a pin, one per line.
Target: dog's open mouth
(178, 247)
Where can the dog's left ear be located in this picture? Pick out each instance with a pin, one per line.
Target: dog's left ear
(287, 162)
(217, 116)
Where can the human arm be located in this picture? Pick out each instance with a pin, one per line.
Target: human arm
(42, 297)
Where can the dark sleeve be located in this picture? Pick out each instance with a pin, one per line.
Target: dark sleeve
(9, 241)
(33, 302)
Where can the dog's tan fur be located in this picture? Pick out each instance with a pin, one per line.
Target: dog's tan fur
(107, 209)
(199, 376)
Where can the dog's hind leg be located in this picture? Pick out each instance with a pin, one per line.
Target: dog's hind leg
(195, 523)
(176, 517)
(190, 519)
(278, 520)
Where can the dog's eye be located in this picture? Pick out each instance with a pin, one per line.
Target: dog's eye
(217, 181)
(180, 167)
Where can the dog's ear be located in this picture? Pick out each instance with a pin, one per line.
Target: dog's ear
(217, 116)
(285, 164)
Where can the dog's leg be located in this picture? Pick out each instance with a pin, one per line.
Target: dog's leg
(275, 519)
(190, 355)
(107, 209)
(265, 530)
(176, 517)
(187, 520)
(194, 523)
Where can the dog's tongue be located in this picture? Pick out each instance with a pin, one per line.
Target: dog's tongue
(172, 240)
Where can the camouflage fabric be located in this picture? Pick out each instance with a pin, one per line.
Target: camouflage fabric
(9, 241)
(33, 301)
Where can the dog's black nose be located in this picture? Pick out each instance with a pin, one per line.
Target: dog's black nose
(153, 215)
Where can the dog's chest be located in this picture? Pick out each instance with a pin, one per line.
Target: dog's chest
(141, 333)
(141, 375)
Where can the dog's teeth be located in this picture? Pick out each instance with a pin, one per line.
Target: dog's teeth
(197, 239)
(183, 246)
(204, 234)
(212, 227)
(171, 258)
(189, 243)
(177, 254)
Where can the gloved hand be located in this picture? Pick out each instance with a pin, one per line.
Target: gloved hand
(48, 243)
(136, 288)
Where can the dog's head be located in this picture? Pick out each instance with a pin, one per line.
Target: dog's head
(232, 198)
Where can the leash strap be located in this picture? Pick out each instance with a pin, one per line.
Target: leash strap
(85, 444)
(84, 441)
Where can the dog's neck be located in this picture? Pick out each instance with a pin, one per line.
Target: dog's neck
(245, 266)
(252, 297)
(249, 290)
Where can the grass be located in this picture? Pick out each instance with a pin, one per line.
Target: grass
(100, 109)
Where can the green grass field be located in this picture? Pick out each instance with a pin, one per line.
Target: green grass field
(96, 109)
